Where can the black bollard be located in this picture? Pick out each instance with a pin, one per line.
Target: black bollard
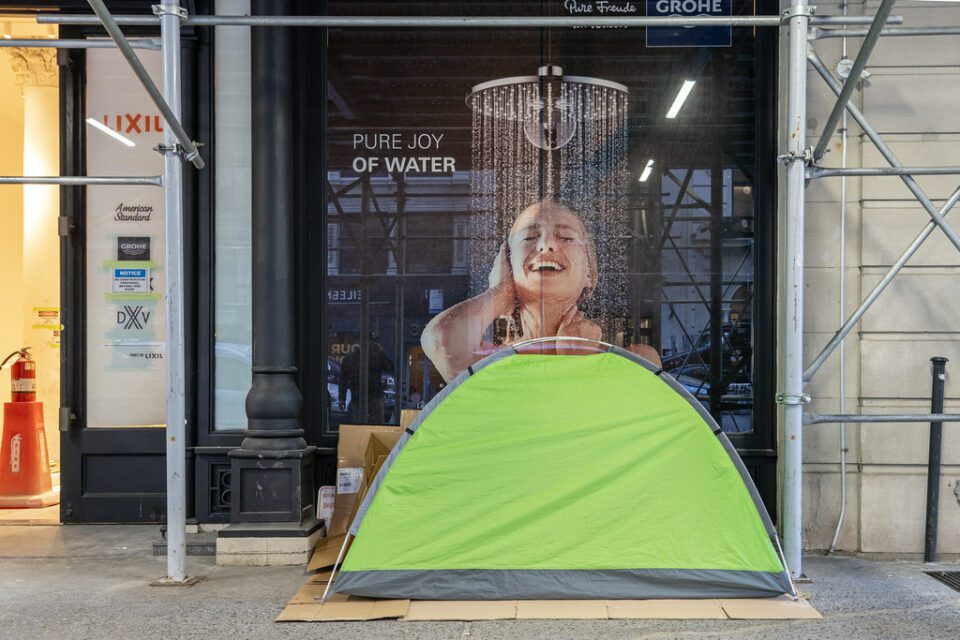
(933, 461)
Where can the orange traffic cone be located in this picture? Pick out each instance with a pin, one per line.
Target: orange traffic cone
(24, 470)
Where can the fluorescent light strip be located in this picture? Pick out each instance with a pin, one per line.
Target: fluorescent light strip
(681, 98)
(646, 171)
(110, 132)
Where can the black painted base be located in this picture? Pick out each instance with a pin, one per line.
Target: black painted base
(273, 486)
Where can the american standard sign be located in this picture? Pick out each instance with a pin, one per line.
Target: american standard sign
(132, 212)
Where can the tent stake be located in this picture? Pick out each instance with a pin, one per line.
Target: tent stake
(336, 564)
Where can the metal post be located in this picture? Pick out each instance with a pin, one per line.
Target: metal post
(150, 181)
(933, 460)
(173, 205)
(830, 172)
(855, 71)
(433, 22)
(45, 43)
(878, 418)
(190, 150)
(792, 396)
(273, 469)
(894, 31)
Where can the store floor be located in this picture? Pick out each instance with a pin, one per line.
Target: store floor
(93, 582)
(49, 516)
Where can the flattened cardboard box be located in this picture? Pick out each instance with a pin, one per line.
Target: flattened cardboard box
(346, 608)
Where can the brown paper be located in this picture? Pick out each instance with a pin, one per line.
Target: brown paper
(781, 608)
(561, 609)
(325, 553)
(407, 416)
(665, 609)
(466, 610)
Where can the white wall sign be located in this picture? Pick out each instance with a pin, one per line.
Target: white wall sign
(126, 384)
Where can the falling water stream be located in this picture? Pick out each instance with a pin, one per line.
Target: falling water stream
(529, 144)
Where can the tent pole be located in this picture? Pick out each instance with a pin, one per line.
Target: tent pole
(792, 395)
(336, 564)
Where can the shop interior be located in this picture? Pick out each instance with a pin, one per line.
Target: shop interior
(29, 259)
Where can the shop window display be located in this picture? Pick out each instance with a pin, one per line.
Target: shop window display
(483, 189)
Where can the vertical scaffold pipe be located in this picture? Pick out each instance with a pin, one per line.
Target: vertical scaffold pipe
(173, 204)
(792, 501)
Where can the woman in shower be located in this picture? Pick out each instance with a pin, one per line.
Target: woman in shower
(543, 272)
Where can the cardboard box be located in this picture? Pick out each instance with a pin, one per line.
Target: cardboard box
(407, 416)
(361, 451)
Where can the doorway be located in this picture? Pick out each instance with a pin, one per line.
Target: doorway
(30, 264)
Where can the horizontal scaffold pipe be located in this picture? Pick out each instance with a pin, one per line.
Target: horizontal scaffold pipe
(882, 171)
(894, 31)
(155, 181)
(46, 43)
(465, 21)
(817, 418)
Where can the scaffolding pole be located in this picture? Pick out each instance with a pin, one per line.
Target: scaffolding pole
(819, 34)
(870, 418)
(792, 397)
(71, 181)
(829, 172)
(46, 43)
(170, 16)
(859, 63)
(434, 22)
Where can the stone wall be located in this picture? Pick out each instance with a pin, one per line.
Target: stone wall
(911, 99)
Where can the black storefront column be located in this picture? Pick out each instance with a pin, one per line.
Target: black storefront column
(272, 472)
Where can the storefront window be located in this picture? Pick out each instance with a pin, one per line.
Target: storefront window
(233, 350)
(484, 189)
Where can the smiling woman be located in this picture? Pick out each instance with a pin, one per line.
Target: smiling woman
(544, 270)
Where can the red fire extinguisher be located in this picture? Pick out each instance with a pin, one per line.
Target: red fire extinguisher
(23, 376)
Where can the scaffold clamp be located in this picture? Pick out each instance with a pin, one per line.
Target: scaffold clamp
(170, 9)
(793, 399)
(798, 10)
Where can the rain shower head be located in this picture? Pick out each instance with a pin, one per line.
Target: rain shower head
(550, 105)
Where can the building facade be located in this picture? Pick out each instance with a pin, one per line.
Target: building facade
(400, 161)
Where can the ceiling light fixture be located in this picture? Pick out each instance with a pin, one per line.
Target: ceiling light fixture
(681, 98)
(110, 132)
(647, 170)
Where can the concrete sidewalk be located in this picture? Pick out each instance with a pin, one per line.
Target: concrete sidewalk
(92, 582)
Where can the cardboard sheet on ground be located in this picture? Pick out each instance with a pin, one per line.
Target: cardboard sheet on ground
(325, 553)
(305, 606)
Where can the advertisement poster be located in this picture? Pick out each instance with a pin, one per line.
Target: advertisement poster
(125, 246)
(480, 195)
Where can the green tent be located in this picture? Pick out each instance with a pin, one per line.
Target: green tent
(563, 476)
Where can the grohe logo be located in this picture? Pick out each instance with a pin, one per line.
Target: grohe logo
(133, 248)
(133, 317)
(132, 123)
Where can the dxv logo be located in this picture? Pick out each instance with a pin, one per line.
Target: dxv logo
(134, 123)
(133, 317)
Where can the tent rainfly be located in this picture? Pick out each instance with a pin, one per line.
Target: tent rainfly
(535, 476)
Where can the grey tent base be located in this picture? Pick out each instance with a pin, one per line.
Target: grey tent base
(516, 584)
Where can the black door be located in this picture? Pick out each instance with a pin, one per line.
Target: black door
(110, 472)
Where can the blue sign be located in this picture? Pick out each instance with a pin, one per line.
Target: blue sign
(689, 36)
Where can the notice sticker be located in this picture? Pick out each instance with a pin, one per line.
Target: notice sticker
(131, 280)
(349, 480)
